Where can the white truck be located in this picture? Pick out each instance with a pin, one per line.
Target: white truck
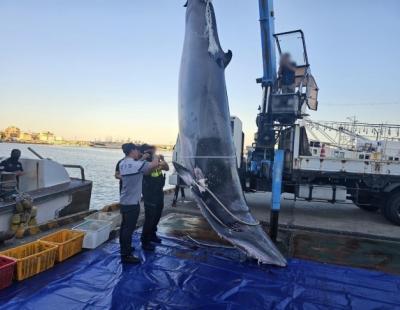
(371, 178)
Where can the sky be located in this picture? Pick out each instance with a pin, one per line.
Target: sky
(99, 68)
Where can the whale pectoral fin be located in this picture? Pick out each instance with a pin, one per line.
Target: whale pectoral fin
(184, 173)
(228, 58)
(223, 59)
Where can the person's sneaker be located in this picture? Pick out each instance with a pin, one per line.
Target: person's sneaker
(148, 246)
(155, 239)
(130, 259)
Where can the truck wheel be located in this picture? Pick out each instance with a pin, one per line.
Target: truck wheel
(369, 208)
(366, 202)
(391, 210)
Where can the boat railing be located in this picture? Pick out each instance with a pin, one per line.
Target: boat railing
(65, 166)
(77, 167)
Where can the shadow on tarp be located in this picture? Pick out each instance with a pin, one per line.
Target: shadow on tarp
(181, 275)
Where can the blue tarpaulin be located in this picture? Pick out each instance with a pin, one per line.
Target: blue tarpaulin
(181, 275)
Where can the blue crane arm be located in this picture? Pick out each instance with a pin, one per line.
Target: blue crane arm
(267, 24)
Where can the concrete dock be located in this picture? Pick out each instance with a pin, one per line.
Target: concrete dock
(314, 216)
(339, 234)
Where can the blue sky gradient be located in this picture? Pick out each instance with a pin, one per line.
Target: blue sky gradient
(99, 68)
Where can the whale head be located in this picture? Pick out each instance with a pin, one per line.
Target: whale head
(201, 26)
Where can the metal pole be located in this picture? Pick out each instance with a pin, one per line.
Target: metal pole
(34, 152)
(277, 173)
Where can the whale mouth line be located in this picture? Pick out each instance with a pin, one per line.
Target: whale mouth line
(239, 220)
(198, 181)
(209, 245)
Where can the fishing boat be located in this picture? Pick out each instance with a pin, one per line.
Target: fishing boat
(50, 189)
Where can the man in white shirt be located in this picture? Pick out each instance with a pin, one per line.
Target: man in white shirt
(131, 169)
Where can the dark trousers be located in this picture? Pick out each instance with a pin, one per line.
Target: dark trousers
(176, 193)
(152, 215)
(130, 216)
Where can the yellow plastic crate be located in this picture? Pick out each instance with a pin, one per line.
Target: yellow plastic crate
(32, 258)
(69, 243)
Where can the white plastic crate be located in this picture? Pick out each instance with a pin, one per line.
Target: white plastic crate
(114, 217)
(96, 232)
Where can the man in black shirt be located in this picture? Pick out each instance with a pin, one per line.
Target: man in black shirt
(12, 164)
(153, 198)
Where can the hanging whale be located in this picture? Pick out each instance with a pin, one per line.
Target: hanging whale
(207, 161)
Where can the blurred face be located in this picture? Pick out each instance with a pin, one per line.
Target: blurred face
(15, 154)
(285, 58)
(135, 154)
(138, 154)
(150, 151)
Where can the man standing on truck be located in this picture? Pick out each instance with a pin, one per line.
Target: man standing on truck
(153, 197)
(131, 169)
(287, 74)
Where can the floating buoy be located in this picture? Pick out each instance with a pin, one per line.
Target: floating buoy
(16, 219)
(32, 222)
(19, 207)
(27, 204)
(34, 212)
(24, 218)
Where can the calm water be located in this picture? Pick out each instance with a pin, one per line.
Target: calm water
(99, 165)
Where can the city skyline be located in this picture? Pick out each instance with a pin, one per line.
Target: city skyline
(100, 76)
(15, 133)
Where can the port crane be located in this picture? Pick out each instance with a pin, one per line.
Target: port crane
(281, 158)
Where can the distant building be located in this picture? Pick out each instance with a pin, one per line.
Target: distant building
(35, 136)
(12, 133)
(46, 137)
(25, 136)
